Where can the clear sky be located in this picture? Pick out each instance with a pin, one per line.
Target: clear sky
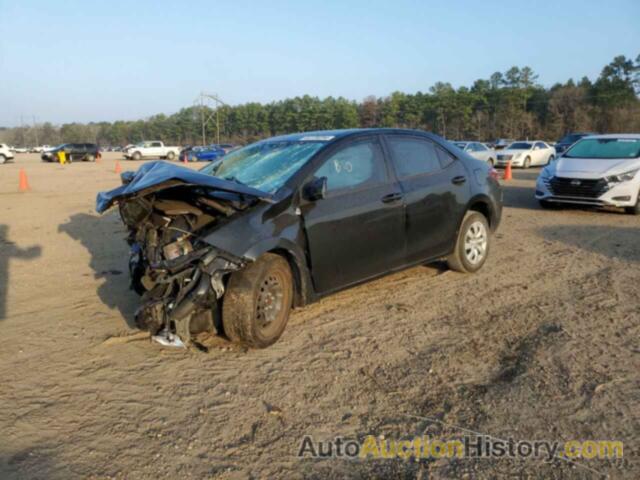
(91, 60)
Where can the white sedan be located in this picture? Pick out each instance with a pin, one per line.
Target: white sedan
(598, 170)
(526, 154)
(478, 150)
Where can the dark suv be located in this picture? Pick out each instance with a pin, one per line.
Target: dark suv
(86, 152)
(288, 220)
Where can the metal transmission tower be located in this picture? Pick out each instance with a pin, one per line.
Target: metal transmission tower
(206, 100)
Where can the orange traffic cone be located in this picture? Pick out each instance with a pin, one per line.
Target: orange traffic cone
(118, 168)
(507, 171)
(184, 159)
(24, 183)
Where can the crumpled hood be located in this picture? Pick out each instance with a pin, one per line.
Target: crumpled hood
(155, 174)
(589, 167)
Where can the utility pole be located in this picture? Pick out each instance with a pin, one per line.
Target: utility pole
(35, 129)
(203, 98)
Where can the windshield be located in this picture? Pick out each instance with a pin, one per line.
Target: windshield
(266, 165)
(461, 145)
(605, 148)
(519, 146)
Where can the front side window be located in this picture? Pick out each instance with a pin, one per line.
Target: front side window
(413, 156)
(264, 165)
(605, 148)
(354, 166)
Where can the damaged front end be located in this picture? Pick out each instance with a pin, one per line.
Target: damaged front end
(179, 275)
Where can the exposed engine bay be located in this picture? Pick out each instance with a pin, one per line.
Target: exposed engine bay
(179, 276)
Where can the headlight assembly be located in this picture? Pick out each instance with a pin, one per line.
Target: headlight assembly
(622, 177)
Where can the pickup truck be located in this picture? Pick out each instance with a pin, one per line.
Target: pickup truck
(152, 149)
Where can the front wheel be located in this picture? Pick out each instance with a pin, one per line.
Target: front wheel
(472, 245)
(2, 159)
(527, 162)
(136, 156)
(635, 210)
(551, 159)
(492, 162)
(171, 156)
(90, 158)
(256, 306)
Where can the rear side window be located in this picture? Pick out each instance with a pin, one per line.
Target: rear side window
(354, 166)
(413, 156)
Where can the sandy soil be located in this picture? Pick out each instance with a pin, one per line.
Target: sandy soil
(543, 343)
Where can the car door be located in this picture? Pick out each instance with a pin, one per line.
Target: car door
(436, 189)
(357, 230)
(155, 149)
(539, 154)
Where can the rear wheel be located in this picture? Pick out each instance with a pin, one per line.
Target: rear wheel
(256, 306)
(472, 245)
(492, 162)
(527, 162)
(2, 159)
(171, 156)
(90, 158)
(551, 159)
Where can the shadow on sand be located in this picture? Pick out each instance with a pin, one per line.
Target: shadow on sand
(621, 243)
(9, 250)
(104, 238)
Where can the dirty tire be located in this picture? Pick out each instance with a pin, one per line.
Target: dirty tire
(527, 162)
(459, 260)
(171, 156)
(249, 300)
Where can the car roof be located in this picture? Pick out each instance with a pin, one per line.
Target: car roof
(632, 136)
(338, 134)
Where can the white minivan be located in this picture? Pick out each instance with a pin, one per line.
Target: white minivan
(599, 170)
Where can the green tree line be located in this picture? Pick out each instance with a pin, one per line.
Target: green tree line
(509, 104)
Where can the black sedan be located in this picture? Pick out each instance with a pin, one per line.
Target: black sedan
(282, 222)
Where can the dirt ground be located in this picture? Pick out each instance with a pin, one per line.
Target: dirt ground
(542, 344)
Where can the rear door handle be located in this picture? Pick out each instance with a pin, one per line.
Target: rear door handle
(392, 197)
(459, 180)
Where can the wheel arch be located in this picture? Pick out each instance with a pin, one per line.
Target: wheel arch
(303, 291)
(483, 204)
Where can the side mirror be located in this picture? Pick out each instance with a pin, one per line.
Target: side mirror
(315, 189)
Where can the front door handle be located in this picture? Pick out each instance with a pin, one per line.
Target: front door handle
(459, 180)
(392, 197)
